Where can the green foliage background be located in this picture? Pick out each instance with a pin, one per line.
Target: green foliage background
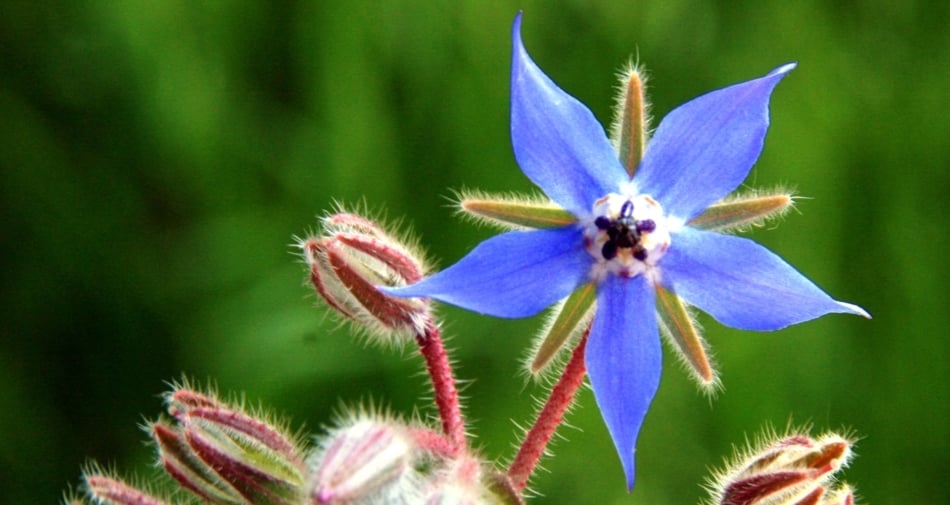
(157, 158)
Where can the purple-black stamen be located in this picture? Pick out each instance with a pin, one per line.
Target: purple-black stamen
(647, 225)
(624, 233)
(626, 210)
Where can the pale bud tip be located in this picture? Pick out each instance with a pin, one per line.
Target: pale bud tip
(366, 457)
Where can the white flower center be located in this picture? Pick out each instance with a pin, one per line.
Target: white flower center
(627, 236)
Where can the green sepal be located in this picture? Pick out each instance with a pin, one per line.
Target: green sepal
(572, 316)
(676, 323)
(742, 212)
(631, 126)
(515, 211)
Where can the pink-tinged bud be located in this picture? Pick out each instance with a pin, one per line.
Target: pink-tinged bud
(366, 459)
(104, 489)
(758, 488)
(192, 473)
(225, 454)
(351, 257)
(794, 470)
(182, 400)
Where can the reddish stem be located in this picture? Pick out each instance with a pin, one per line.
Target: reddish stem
(434, 442)
(443, 385)
(550, 417)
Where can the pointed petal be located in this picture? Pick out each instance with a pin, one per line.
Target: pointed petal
(705, 148)
(557, 140)
(515, 274)
(624, 360)
(741, 283)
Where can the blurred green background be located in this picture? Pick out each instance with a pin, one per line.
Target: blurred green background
(157, 158)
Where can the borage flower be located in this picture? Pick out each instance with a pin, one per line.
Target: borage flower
(630, 237)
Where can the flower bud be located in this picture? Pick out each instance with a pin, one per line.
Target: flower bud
(105, 489)
(353, 256)
(794, 470)
(224, 454)
(365, 459)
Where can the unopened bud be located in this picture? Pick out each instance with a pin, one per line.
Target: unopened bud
(105, 489)
(349, 259)
(224, 454)
(364, 459)
(794, 470)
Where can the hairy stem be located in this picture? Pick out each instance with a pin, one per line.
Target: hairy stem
(443, 385)
(550, 417)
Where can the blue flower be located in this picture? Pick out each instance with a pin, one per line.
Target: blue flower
(631, 235)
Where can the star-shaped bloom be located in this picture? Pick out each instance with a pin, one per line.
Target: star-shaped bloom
(630, 237)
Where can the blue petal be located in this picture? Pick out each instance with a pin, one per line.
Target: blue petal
(705, 148)
(741, 283)
(558, 142)
(515, 274)
(624, 360)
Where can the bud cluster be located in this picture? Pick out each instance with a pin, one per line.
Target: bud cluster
(793, 470)
(349, 258)
(223, 454)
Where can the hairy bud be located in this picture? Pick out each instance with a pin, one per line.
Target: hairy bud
(106, 489)
(349, 259)
(225, 455)
(793, 470)
(366, 459)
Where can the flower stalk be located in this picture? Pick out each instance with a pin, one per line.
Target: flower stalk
(443, 386)
(549, 418)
